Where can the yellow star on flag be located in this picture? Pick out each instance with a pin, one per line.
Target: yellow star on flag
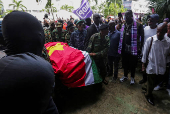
(51, 49)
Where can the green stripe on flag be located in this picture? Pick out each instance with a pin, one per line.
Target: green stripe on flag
(97, 77)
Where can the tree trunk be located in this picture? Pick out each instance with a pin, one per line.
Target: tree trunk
(52, 13)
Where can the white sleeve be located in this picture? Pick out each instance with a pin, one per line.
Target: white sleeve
(146, 49)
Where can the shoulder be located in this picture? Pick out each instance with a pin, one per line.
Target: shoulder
(76, 31)
(90, 27)
(64, 31)
(73, 33)
(25, 62)
(147, 27)
(150, 38)
(95, 35)
(118, 32)
(84, 31)
(55, 30)
(167, 38)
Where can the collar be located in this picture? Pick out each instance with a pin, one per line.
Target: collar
(79, 31)
(110, 33)
(155, 38)
(96, 25)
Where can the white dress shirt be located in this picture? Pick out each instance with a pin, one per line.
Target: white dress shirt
(157, 56)
(148, 32)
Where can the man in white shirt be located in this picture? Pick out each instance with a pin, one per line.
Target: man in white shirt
(148, 32)
(157, 57)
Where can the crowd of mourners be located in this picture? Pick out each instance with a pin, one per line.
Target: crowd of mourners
(106, 40)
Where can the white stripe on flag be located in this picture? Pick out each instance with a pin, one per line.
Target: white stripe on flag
(89, 78)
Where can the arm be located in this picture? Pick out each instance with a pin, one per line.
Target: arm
(104, 52)
(65, 39)
(90, 44)
(72, 40)
(145, 53)
(145, 50)
(141, 34)
(87, 38)
(53, 36)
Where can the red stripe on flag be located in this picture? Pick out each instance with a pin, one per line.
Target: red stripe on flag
(69, 65)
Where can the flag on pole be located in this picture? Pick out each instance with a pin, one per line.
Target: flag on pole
(75, 68)
(84, 11)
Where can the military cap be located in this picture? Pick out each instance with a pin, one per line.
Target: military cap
(58, 24)
(69, 25)
(80, 21)
(75, 21)
(103, 26)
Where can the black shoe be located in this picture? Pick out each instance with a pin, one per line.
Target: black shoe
(144, 90)
(142, 81)
(150, 100)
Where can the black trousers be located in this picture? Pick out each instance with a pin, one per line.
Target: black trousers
(129, 63)
(101, 66)
(112, 59)
(145, 76)
(153, 81)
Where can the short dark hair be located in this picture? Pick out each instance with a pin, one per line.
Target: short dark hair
(163, 26)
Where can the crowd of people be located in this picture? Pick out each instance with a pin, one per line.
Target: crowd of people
(106, 41)
(110, 40)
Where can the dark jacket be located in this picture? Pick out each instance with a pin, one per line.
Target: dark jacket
(90, 31)
(26, 79)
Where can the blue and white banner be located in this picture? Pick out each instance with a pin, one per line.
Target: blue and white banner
(84, 11)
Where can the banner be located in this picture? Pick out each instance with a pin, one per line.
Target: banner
(84, 11)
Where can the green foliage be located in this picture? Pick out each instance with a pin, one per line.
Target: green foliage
(67, 8)
(113, 9)
(145, 19)
(1, 5)
(49, 7)
(18, 5)
(162, 7)
(119, 2)
(94, 9)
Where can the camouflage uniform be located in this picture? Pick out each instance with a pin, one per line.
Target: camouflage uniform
(48, 35)
(99, 46)
(58, 37)
(67, 38)
(45, 54)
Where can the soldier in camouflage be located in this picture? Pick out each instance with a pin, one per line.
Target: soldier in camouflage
(58, 34)
(70, 29)
(98, 48)
(48, 32)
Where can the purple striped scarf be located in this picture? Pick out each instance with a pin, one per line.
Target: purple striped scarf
(133, 39)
